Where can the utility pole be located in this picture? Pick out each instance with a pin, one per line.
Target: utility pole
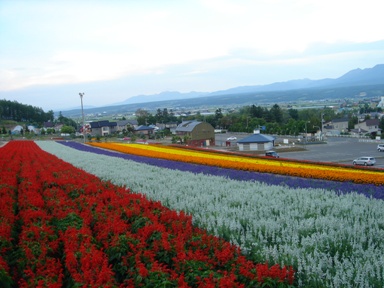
(306, 133)
(82, 112)
(321, 126)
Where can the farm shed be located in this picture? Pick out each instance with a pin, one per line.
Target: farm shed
(197, 133)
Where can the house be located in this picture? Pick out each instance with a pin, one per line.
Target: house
(56, 127)
(170, 126)
(197, 133)
(17, 130)
(125, 124)
(49, 124)
(30, 128)
(336, 126)
(370, 126)
(102, 128)
(33, 129)
(256, 142)
(144, 130)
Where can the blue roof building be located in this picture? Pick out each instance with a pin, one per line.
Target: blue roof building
(256, 142)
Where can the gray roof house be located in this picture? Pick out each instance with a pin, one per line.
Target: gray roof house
(145, 130)
(336, 126)
(124, 124)
(49, 124)
(102, 128)
(256, 142)
(368, 126)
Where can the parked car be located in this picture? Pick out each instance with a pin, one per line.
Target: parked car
(231, 138)
(366, 161)
(380, 147)
(272, 154)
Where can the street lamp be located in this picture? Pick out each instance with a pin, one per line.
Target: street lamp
(322, 126)
(306, 133)
(82, 112)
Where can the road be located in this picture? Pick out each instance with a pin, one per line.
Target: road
(336, 149)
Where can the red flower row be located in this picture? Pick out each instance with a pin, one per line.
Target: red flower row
(72, 229)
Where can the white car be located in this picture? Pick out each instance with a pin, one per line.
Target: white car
(366, 161)
(231, 138)
(380, 147)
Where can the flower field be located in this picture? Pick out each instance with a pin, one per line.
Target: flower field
(331, 235)
(275, 166)
(61, 226)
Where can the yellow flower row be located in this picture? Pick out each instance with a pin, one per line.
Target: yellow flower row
(210, 155)
(307, 170)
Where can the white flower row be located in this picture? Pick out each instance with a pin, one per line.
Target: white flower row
(333, 241)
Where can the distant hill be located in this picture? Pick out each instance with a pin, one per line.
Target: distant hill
(369, 80)
(368, 76)
(166, 95)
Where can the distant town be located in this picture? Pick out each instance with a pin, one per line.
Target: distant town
(349, 105)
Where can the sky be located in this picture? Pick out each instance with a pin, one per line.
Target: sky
(111, 50)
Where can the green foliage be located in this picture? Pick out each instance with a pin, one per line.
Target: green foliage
(66, 122)
(133, 138)
(71, 220)
(12, 110)
(50, 131)
(67, 129)
(5, 279)
(176, 139)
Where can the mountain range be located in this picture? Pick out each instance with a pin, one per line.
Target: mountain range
(351, 84)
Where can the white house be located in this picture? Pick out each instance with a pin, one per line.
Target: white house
(17, 130)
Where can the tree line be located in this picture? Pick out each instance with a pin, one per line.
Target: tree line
(12, 110)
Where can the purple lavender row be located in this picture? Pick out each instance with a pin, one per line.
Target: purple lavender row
(369, 190)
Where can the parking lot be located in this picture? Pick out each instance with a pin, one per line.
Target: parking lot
(339, 150)
(336, 149)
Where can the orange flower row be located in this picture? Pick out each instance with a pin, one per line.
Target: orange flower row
(306, 170)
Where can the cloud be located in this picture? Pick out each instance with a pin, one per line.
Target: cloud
(176, 43)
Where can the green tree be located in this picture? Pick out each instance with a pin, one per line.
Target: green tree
(352, 122)
(66, 121)
(256, 112)
(294, 113)
(381, 125)
(142, 116)
(67, 129)
(211, 119)
(218, 114)
(276, 114)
